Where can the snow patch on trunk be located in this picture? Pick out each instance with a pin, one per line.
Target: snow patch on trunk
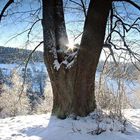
(56, 65)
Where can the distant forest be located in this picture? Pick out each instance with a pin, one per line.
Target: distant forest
(10, 55)
(16, 55)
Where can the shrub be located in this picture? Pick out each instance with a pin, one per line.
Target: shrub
(12, 101)
(46, 103)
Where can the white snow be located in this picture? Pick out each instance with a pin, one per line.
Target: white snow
(47, 127)
(56, 64)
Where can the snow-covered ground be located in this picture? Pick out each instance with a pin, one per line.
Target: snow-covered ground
(47, 127)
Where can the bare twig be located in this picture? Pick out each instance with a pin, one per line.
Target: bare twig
(84, 8)
(27, 61)
(5, 7)
(131, 2)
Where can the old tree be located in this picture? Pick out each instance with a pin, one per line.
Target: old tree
(72, 73)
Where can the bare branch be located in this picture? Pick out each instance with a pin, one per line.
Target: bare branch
(82, 5)
(78, 35)
(17, 35)
(22, 12)
(111, 52)
(30, 30)
(27, 30)
(131, 2)
(84, 8)
(76, 3)
(27, 61)
(5, 7)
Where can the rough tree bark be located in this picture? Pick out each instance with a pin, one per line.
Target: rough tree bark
(55, 37)
(89, 53)
(73, 88)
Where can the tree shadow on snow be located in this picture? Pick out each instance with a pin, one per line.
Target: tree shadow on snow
(52, 131)
(70, 130)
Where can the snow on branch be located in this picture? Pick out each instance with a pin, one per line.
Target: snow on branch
(56, 64)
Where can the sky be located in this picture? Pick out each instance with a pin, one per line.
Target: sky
(22, 14)
(18, 22)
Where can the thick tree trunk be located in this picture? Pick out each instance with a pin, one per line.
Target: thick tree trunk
(55, 38)
(89, 53)
(63, 93)
(73, 88)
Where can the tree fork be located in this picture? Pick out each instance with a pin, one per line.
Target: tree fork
(74, 89)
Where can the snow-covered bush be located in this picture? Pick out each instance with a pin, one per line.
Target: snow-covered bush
(12, 100)
(46, 103)
(136, 93)
(114, 98)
